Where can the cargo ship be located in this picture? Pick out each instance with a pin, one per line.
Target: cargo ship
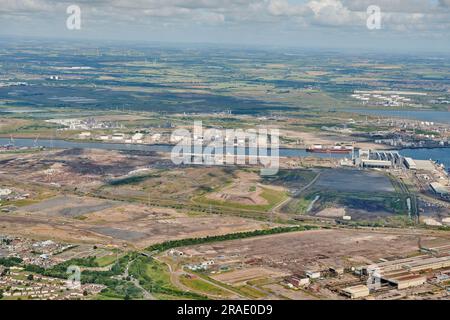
(329, 149)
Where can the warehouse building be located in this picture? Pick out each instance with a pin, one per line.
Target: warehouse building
(337, 270)
(425, 165)
(413, 264)
(404, 280)
(356, 292)
(410, 163)
(443, 249)
(428, 264)
(390, 266)
(313, 274)
(403, 273)
(409, 281)
(378, 159)
(440, 189)
(380, 164)
(298, 281)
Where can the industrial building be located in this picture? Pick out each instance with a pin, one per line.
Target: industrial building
(406, 273)
(428, 264)
(5, 192)
(440, 189)
(313, 274)
(337, 270)
(298, 281)
(410, 163)
(377, 164)
(404, 280)
(378, 159)
(387, 159)
(355, 292)
(387, 266)
(118, 137)
(414, 264)
(423, 165)
(444, 249)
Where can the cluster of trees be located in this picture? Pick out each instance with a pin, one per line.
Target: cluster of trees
(60, 270)
(231, 236)
(10, 262)
(132, 179)
(6, 241)
(123, 290)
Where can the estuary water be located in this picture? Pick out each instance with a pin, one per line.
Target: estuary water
(430, 116)
(442, 155)
(63, 144)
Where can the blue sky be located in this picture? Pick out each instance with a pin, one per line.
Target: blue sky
(407, 25)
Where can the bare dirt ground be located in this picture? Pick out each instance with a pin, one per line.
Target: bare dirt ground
(130, 212)
(68, 206)
(42, 228)
(245, 189)
(331, 213)
(82, 169)
(320, 249)
(8, 124)
(75, 218)
(290, 294)
(311, 138)
(132, 225)
(240, 277)
(177, 185)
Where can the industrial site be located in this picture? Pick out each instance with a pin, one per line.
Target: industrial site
(237, 151)
(347, 221)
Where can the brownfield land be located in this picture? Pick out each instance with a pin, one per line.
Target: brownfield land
(316, 250)
(117, 224)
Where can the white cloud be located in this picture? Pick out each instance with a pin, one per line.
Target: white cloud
(23, 6)
(401, 16)
(284, 8)
(332, 12)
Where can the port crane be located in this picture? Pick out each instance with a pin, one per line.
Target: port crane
(35, 141)
(11, 141)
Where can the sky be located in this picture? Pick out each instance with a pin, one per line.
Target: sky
(406, 25)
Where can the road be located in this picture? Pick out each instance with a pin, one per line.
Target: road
(175, 279)
(126, 274)
(296, 194)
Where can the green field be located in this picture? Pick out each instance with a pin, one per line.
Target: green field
(155, 278)
(199, 285)
(272, 196)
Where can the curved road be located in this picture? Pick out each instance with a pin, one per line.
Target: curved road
(296, 194)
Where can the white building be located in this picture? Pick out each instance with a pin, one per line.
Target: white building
(410, 163)
(156, 137)
(118, 137)
(5, 192)
(355, 292)
(137, 138)
(208, 263)
(84, 135)
(313, 274)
